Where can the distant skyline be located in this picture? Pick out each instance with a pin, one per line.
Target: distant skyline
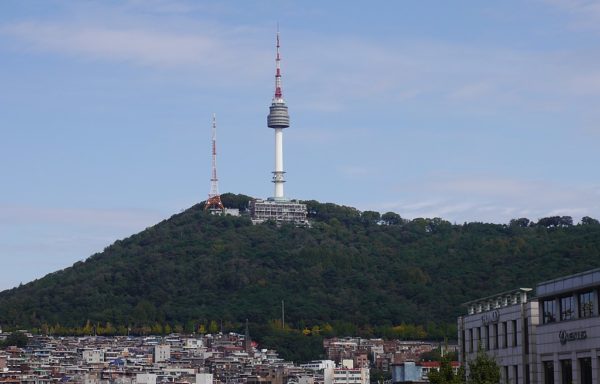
(467, 110)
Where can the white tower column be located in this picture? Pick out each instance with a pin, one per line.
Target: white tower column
(278, 173)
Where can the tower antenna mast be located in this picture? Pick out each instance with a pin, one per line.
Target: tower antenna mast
(214, 203)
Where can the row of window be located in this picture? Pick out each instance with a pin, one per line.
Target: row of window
(566, 371)
(580, 305)
(489, 336)
(515, 376)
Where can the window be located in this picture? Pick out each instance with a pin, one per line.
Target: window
(548, 372)
(478, 338)
(527, 373)
(566, 372)
(487, 337)
(514, 333)
(516, 374)
(505, 335)
(586, 304)
(471, 340)
(549, 315)
(506, 380)
(496, 336)
(463, 350)
(585, 367)
(525, 335)
(567, 308)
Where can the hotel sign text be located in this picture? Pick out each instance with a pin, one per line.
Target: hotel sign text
(490, 317)
(565, 336)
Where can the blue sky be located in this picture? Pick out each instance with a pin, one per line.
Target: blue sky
(465, 110)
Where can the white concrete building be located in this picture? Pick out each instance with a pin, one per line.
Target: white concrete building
(504, 326)
(162, 352)
(318, 365)
(346, 374)
(145, 378)
(93, 356)
(204, 378)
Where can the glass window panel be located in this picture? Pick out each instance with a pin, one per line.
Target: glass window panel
(549, 315)
(585, 367)
(586, 304)
(566, 371)
(567, 308)
(548, 372)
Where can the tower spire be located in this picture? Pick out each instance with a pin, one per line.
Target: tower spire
(278, 92)
(278, 119)
(214, 199)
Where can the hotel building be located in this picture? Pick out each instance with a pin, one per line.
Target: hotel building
(552, 338)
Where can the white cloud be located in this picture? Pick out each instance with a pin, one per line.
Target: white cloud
(332, 73)
(494, 199)
(142, 46)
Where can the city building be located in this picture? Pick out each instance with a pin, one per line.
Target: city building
(550, 338)
(278, 211)
(414, 372)
(503, 325)
(568, 335)
(162, 352)
(346, 374)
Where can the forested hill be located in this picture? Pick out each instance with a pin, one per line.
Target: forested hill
(350, 269)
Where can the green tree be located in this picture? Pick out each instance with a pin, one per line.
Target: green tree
(446, 374)
(483, 369)
(370, 217)
(586, 220)
(391, 218)
(18, 339)
(213, 328)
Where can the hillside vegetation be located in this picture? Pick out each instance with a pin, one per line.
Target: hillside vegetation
(351, 272)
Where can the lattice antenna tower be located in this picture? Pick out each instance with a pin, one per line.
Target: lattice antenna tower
(214, 199)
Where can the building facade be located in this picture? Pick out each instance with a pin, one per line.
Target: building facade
(281, 211)
(568, 336)
(504, 327)
(552, 338)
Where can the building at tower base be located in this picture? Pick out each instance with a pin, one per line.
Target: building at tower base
(287, 211)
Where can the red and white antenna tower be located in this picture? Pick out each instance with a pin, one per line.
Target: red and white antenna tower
(214, 199)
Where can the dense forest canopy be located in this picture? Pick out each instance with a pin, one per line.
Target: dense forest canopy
(350, 272)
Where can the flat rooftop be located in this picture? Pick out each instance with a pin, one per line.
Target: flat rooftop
(569, 283)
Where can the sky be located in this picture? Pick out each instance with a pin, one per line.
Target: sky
(464, 110)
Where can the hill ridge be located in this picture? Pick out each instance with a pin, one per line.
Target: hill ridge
(350, 269)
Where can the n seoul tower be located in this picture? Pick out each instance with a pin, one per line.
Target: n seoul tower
(278, 208)
(278, 119)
